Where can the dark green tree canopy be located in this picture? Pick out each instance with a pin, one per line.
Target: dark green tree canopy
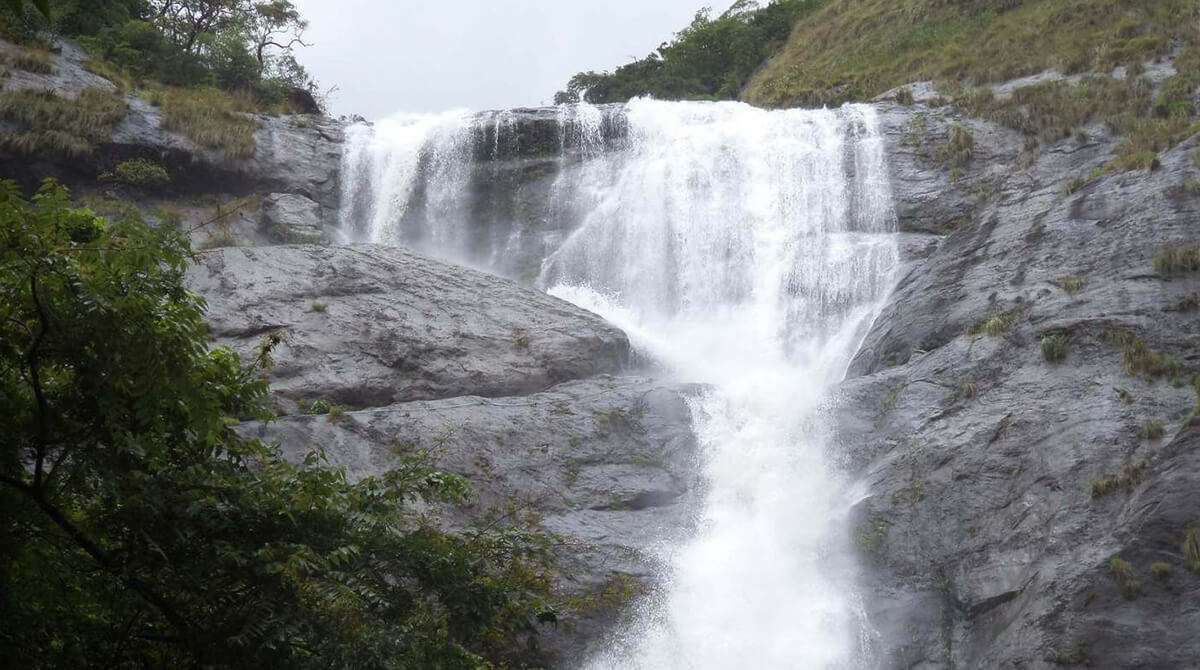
(710, 59)
(139, 530)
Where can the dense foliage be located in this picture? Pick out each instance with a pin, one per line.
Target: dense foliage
(711, 59)
(857, 49)
(236, 45)
(139, 530)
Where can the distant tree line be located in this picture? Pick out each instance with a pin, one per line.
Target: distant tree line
(236, 45)
(710, 59)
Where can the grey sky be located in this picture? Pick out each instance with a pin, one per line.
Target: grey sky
(430, 55)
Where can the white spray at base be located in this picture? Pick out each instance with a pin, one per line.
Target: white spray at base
(749, 250)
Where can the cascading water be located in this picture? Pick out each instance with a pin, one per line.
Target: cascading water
(743, 248)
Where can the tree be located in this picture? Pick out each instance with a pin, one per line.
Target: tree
(275, 23)
(139, 530)
(185, 22)
(18, 6)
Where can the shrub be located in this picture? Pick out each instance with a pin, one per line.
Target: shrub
(1160, 570)
(1152, 430)
(211, 118)
(904, 96)
(336, 413)
(142, 530)
(140, 172)
(1122, 571)
(318, 307)
(53, 124)
(1054, 347)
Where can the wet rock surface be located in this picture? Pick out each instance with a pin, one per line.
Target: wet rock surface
(985, 541)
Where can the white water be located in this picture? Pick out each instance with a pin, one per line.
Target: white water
(749, 250)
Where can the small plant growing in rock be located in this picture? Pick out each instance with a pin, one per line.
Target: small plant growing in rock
(1071, 284)
(1132, 475)
(994, 324)
(1122, 571)
(521, 341)
(1160, 570)
(336, 413)
(138, 172)
(1176, 259)
(1075, 184)
(1125, 395)
(1054, 347)
(1187, 303)
(1073, 655)
(959, 148)
(904, 96)
(1139, 359)
(1191, 547)
(318, 307)
(316, 406)
(1152, 430)
(966, 389)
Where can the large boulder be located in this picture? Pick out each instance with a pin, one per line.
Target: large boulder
(367, 325)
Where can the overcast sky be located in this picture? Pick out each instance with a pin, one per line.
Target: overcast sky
(430, 55)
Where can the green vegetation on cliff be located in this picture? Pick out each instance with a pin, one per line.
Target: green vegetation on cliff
(711, 59)
(139, 529)
(240, 46)
(856, 49)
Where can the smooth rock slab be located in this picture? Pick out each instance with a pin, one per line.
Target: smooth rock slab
(368, 325)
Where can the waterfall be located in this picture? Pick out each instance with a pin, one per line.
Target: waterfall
(744, 248)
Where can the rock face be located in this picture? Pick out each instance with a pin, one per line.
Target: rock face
(287, 217)
(606, 464)
(1003, 484)
(298, 155)
(368, 325)
(522, 403)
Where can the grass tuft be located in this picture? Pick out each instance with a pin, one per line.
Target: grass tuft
(1160, 570)
(1071, 284)
(53, 124)
(1191, 547)
(1054, 347)
(959, 147)
(1176, 259)
(1132, 475)
(210, 117)
(35, 60)
(1122, 571)
(994, 324)
(1152, 430)
(1139, 360)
